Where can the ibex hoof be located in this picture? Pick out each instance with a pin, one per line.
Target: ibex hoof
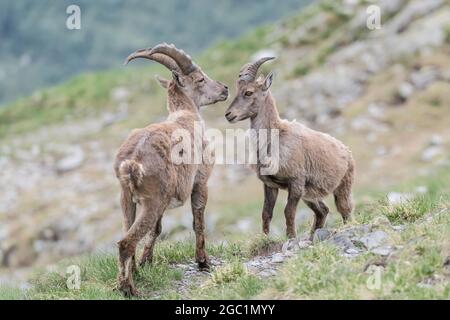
(204, 266)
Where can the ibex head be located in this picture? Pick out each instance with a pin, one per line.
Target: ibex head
(186, 75)
(251, 92)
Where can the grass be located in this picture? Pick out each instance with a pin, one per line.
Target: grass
(418, 269)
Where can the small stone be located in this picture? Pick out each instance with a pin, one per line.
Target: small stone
(351, 251)
(71, 162)
(373, 239)
(405, 90)
(436, 140)
(321, 235)
(431, 152)
(398, 228)
(342, 241)
(382, 251)
(277, 258)
(303, 244)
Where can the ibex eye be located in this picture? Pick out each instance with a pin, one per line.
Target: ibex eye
(248, 93)
(201, 80)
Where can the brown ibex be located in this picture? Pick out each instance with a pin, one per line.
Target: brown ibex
(149, 178)
(311, 164)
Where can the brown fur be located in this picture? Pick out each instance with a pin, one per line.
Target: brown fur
(312, 164)
(152, 183)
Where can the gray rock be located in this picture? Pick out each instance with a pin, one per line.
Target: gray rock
(374, 239)
(383, 250)
(321, 235)
(431, 152)
(398, 228)
(436, 140)
(293, 245)
(72, 161)
(277, 258)
(352, 251)
(342, 241)
(424, 77)
(414, 10)
(405, 90)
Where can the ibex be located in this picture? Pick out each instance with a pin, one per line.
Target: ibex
(149, 178)
(311, 164)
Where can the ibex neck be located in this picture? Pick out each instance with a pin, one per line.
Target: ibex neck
(177, 101)
(267, 117)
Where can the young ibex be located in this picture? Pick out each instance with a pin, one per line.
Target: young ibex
(311, 164)
(148, 176)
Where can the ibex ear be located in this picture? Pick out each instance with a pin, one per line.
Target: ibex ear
(177, 78)
(163, 82)
(268, 81)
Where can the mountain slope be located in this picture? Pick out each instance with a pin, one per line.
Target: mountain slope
(388, 102)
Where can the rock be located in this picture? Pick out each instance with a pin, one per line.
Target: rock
(382, 251)
(405, 90)
(342, 241)
(412, 11)
(376, 110)
(352, 251)
(398, 228)
(72, 161)
(398, 197)
(436, 140)
(293, 245)
(277, 258)
(321, 235)
(431, 152)
(424, 77)
(373, 239)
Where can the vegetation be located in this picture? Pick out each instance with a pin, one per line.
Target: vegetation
(418, 270)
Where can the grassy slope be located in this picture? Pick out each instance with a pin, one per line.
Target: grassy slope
(299, 278)
(418, 271)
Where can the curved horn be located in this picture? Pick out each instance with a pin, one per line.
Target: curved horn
(248, 71)
(166, 61)
(183, 60)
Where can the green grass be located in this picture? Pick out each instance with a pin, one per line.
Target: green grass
(417, 270)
